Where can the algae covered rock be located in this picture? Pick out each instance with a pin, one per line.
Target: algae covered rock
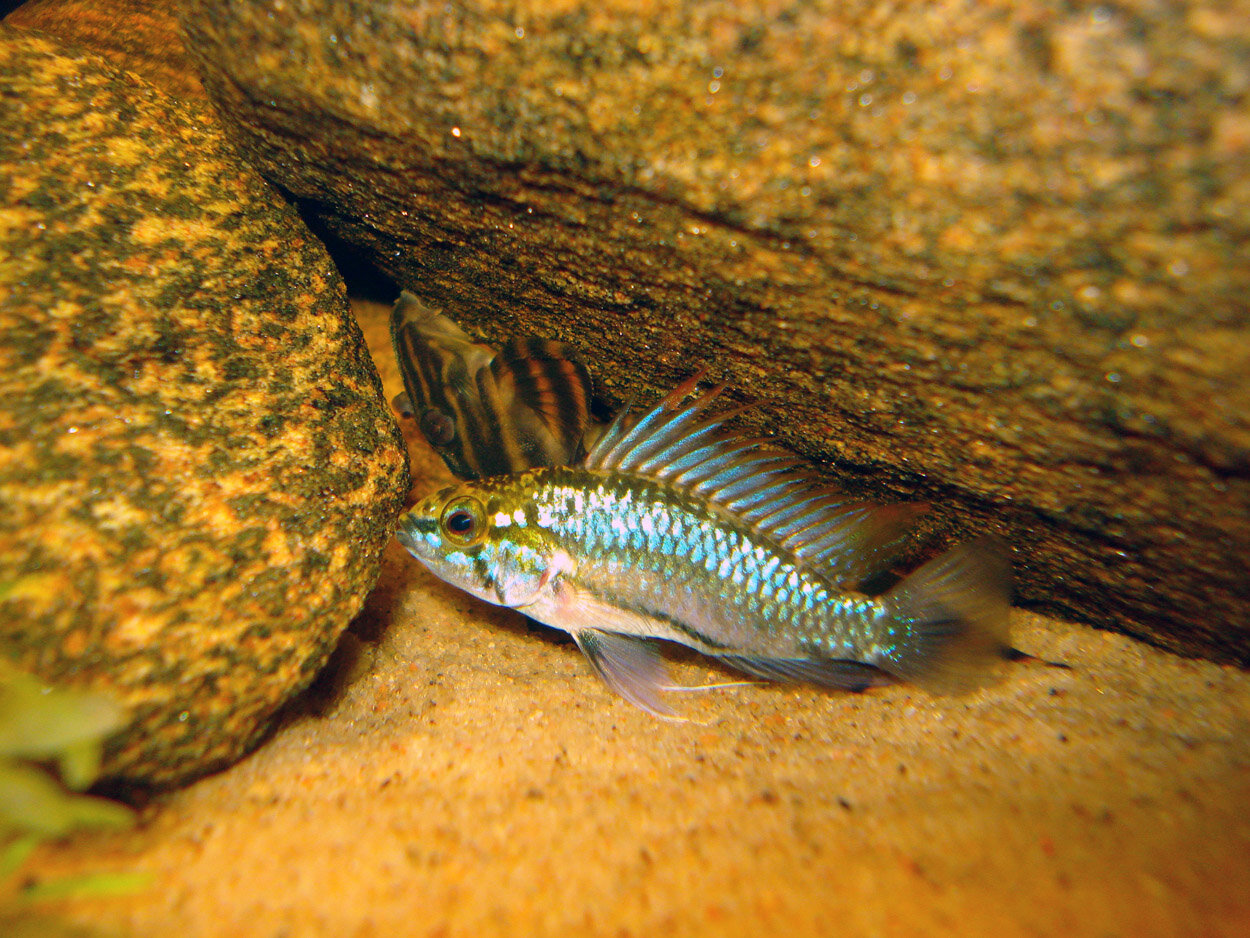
(993, 257)
(141, 36)
(197, 470)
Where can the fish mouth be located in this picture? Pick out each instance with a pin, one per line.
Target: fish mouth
(415, 530)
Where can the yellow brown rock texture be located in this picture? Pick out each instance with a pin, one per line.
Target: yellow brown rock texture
(141, 36)
(197, 471)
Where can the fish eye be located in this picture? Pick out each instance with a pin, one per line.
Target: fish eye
(463, 521)
(438, 428)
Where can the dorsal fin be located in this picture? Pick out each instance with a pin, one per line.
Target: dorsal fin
(681, 444)
(547, 384)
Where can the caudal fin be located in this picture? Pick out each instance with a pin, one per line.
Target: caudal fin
(952, 618)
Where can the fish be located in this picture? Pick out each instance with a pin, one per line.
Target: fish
(489, 412)
(675, 527)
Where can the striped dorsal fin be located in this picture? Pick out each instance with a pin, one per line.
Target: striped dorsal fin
(549, 391)
(688, 447)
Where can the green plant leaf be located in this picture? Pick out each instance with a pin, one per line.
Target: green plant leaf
(31, 801)
(14, 854)
(87, 886)
(40, 722)
(79, 764)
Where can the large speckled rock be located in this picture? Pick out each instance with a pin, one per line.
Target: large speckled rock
(992, 255)
(197, 470)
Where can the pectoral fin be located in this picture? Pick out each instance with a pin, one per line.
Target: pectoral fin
(630, 666)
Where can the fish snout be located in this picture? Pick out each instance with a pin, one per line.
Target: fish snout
(418, 532)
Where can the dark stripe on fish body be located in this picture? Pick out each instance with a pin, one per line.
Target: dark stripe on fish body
(699, 638)
(412, 365)
(424, 368)
(556, 384)
(482, 569)
(453, 373)
(574, 407)
(547, 375)
(494, 429)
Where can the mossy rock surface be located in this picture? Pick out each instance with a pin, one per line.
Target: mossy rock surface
(198, 472)
(140, 36)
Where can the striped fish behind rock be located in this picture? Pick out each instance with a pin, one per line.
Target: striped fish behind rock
(489, 412)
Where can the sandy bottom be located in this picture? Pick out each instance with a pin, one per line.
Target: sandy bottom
(459, 771)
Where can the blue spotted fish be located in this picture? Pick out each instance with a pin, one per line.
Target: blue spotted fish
(674, 527)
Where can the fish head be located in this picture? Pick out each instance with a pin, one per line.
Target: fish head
(475, 536)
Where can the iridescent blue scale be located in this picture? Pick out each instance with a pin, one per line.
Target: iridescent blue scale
(737, 588)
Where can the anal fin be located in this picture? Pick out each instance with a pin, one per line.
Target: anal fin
(838, 674)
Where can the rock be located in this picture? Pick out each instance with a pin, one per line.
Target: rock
(141, 36)
(992, 257)
(198, 473)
